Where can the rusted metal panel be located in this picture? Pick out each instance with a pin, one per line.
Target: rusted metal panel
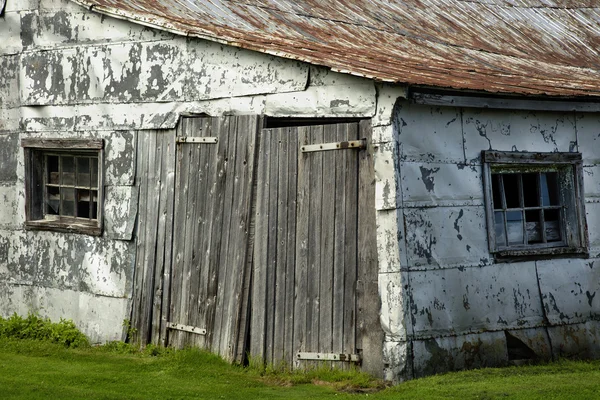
(477, 299)
(576, 340)
(446, 237)
(454, 353)
(543, 49)
(569, 288)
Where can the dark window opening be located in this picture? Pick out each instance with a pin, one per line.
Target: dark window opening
(64, 184)
(534, 203)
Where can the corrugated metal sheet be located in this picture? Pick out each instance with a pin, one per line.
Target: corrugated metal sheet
(510, 46)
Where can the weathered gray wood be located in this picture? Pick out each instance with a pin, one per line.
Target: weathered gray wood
(340, 248)
(260, 256)
(219, 344)
(169, 187)
(138, 293)
(350, 256)
(290, 243)
(302, 228)
(369, 329)
(513, 157)
(181, 195)
(40, 143)
(314, 242)
(245, 132)
(215, 259)
(255, 125)
(326, 301)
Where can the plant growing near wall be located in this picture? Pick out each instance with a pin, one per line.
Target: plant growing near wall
(35, 327)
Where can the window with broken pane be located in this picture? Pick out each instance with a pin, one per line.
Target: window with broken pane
(71, 185)
(534, 203)
(64, 184)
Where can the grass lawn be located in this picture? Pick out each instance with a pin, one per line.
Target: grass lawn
(40, 370)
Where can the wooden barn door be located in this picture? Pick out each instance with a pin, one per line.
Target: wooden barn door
(213, 191)
(306, 248)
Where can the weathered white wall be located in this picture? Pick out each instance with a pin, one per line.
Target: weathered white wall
(458, 302)
(68, 72)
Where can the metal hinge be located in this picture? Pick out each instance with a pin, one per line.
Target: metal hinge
(351, 144)
(328, 357)
(186, 328)
(197, 139)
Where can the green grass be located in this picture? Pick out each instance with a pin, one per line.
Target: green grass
(31, 369)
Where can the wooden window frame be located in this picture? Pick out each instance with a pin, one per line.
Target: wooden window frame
(36, 152)
(572, 221)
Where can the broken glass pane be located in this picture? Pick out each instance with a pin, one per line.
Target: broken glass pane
(514, 224)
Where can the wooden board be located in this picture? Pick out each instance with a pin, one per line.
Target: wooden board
(306, 246)
(213, 193)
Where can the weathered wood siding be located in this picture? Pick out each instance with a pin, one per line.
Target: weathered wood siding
(306, 271)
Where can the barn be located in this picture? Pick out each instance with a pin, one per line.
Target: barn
(407, 187)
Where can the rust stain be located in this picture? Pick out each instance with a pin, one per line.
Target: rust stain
(512, 46)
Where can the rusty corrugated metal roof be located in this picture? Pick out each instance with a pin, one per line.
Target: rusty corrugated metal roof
(508, 46)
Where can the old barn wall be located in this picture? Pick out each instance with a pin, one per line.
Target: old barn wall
(459, 304)
(69, 72)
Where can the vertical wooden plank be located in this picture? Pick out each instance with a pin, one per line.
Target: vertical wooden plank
(241, 255)
(206, 208)
(339, 276)
(142, 183)
(327, 246)
(181, 196)
(301, 304)
(272, 245)
(369, 332)
(350, 240)
(157, 293)
(255, 126)
(314, 242)
(169, 218)
(291, 136)
(150, 235)
(221, 230)
(260, 254)
(245, 132)
(200, 177)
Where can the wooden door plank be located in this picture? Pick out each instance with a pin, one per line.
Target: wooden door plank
(213, 259)
(340, 247)
(301, 304)
(272, 245)
(169, 219)
(181, 218)
(244, 161)
(153, 201)
(369, 333)
(351, 236)
(314, 242)
(291, 136)
(142, 182)
(157, 293)
(279, 267)
(260, 253)
(229, 180)
(249, 205)
(201, 127)
(327, 247)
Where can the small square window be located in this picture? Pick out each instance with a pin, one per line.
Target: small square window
(63, 179)
(534, 203)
